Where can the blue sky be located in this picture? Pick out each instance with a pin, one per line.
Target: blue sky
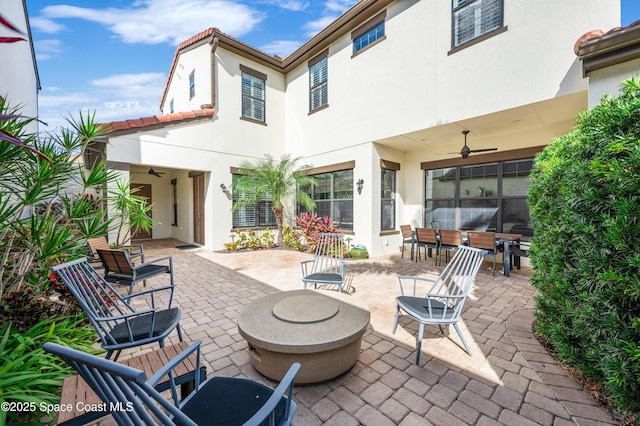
(112, 56)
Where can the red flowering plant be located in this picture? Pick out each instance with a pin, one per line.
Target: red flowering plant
(312, 225)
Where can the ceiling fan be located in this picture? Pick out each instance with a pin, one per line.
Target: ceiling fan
(465, 151)
(153, 172)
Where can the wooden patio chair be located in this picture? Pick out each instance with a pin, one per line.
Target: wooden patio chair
(327, 266)
(119, 269)
(486, 241)
(442, 304)
(100, 243)
(427, 238)
(118, 323)
(133, 399)
(407, 236)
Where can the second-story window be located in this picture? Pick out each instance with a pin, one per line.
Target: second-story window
(171, 107)
(253, 94)
(318, 82)
(192, 84)
(369, 34)
(474, 18)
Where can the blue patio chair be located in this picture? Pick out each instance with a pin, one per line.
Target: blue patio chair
(118, 323)
(442, 304)
(133, 399)
(327, 266)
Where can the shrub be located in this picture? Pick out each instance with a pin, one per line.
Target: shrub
(585, 209)
(28, 375)
(312, 225)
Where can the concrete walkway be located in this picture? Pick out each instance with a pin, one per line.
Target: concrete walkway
(510, 379)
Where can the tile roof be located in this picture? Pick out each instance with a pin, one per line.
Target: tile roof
(158, 120)
(599, 34)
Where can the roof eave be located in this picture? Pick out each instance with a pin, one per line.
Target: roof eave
(611, 49)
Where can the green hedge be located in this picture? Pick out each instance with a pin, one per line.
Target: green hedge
(585, 208)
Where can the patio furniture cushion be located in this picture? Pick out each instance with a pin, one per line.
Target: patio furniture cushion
(141, 326)
(420, 308)
(225, 400)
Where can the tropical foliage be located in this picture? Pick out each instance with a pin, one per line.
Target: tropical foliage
(585, 207)
(30, 379)
(278, 181)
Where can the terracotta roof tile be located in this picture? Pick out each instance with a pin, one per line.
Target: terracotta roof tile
(595, 34)
(140, 123)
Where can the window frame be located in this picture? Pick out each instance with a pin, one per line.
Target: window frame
(366, 29)
(461, 201)
(244, 70)
(464, 4)
(388, 167)
(333, 172)
(252, 211)
(322, 85)
(192, 84)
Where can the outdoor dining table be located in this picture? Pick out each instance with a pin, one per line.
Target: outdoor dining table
(504, 238)
(507, 240)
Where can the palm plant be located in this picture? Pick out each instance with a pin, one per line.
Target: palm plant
(279, 181)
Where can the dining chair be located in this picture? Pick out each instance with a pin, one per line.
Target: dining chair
(407, 236)
(487, 241)
(450, 240)
(427, 238)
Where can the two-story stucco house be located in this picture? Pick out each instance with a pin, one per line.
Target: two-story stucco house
(19, 80)
(376, 102)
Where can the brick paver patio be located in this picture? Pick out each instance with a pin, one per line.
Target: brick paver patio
(510, 379)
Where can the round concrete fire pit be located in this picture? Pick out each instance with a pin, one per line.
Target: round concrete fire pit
(321, 331)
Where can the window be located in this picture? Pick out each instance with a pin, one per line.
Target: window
(318, 82)
(171, 107)
(387, 200)
(333, 197)
(253, 94)
(192, 84)
(483, 197)
(369, 33)
(174, 199)
(474, 18)
(258, 215)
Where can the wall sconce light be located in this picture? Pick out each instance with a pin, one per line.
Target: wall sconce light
(359, 185)
(223, 187)
(98, 190)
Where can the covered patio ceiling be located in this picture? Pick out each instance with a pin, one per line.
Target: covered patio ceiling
(530, 125)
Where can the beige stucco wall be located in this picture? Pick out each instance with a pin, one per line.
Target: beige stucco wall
(608, 80)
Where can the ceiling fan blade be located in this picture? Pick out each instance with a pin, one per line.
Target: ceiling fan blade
(484, 150)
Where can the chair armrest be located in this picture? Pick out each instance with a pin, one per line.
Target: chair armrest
(160, 259)
(152, 292)
(304, 266)
(415, 280)
(167, 370)
(126, 316)
(286, 384)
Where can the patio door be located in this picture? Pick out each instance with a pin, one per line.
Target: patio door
(144, 190)
(198, 208)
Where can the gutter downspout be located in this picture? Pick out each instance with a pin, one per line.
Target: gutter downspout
(214, 45)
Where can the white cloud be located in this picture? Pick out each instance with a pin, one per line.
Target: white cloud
(338, 6)
(45, 25)
(332, 10)
(292, 5)
(161, 21)
(47, 49)
(314, 27)
(282, 48)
